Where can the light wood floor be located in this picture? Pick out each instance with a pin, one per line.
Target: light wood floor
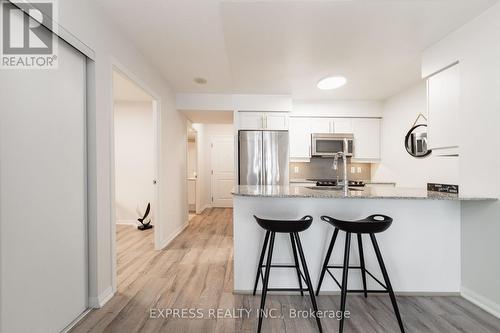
(195, 271)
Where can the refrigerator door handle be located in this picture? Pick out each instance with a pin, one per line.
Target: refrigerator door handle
(263, 159)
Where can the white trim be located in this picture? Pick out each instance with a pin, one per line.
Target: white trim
(481, 301)
(175, 234)
(76, 321)
(59, 30)
(127, 222)
(336, 293)
(207, 206)
(102, 299)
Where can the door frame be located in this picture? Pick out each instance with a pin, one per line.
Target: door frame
(117, 66)
(230, 138)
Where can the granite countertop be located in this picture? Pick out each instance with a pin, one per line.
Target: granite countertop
(291, 191)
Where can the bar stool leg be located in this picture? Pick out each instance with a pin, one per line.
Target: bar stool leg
(294, 249)
(345, 272)
(327, 259)
(362, 263)
(266, 281)
(308, 281)
(261, 260)
(387, 282)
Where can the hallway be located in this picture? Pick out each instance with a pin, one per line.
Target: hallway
(195, 272)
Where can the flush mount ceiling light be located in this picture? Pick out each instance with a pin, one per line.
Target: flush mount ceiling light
(200, 80)
(331, 82)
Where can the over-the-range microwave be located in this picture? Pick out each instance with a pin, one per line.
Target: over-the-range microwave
(328, 144)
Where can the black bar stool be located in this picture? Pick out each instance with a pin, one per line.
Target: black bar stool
(293, 228)
(371, 225)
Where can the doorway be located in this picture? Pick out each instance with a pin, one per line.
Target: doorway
(192, 170)
(135, 223)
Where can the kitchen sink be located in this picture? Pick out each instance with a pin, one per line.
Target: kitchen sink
(333, 188)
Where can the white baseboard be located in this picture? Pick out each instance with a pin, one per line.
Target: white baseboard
(481, 301)
(127, 222)
(76, 321)
(175, 234)
(103, 298)
(337, 293)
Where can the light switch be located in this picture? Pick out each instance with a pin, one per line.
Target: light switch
(353, 169)
(295, 169)
(359, 169)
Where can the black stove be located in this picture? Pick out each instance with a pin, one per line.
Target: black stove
(333, 182)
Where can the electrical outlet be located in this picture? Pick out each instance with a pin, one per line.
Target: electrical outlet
(295, 169)
(353, 169)
(359, 169)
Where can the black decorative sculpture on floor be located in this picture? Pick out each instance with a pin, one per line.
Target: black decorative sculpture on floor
(147, 225)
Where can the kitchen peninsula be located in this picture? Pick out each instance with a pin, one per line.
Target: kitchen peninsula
(421, 248)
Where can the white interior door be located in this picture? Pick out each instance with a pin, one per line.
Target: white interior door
(222, 161)
(42, 195)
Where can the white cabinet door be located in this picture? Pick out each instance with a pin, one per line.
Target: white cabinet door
(321, 125)
(366, 139)
(300, 138)
(251, 120)
(276, 121)
(443, 93)
(342, 125)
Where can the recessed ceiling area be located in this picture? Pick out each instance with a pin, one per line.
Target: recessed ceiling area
(209, 117)
(125, 90)
(286, 47)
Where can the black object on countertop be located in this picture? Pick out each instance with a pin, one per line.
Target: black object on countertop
(371, 225)
(291, 227)
(442, 188)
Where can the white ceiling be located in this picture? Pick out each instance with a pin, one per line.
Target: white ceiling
(125, 90)
(209, 117)
(285, 47)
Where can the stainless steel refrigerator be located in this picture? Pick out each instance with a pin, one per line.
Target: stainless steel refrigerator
(263, 157)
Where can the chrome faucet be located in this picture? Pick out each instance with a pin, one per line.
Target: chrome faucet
(343, 155)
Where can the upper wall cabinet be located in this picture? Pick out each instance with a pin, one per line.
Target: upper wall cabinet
(366, 139)
(366, 135)
(342, 125)
(300, 139)
(443, 102)
(331, 125)
(263, 121)
(320, 125)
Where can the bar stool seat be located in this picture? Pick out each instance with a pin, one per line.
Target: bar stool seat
(371, 225)
(292, 227)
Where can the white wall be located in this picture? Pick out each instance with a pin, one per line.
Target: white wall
(87, 22)
(476, 46)
(333, 108)
(134, 160)
(205, 134)
(399, 113)
(230, 102)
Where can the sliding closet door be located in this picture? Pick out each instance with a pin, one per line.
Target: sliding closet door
(42, 195)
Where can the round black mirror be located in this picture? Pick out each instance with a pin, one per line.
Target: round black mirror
(416, 141)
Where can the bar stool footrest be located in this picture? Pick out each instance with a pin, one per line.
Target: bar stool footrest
(354, 267)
